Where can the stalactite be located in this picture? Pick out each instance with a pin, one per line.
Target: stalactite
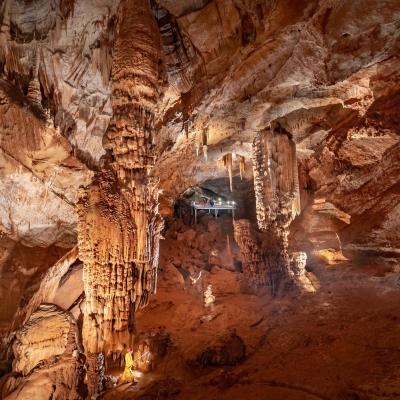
(119, 224)
(228, 163)
(202, 143)
(34, 95)
(205, 151)
(277, 196)
(242, 166)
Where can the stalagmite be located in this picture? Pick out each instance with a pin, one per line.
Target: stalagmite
(277, 197)
(227, 159)
(254, 262)
(298, 261)
(119, 224)
(209, 298)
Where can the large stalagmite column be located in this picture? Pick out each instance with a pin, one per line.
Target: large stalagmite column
(276, 187)
(254, 262)
(119, 223)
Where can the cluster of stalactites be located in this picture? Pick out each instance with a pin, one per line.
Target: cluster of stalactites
(118, 243)
(137, 82)
(276, 181)
(255, 266)
(227, 161)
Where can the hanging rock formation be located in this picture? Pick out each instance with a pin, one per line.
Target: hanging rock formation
(242, 166)
(119, 224)
(276, 186)
(228, 163)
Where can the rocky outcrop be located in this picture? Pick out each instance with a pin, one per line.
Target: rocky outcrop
(55, 107)
(49, 326)
(49, 289)
(318, 231)
(47, 355)
(39, 177)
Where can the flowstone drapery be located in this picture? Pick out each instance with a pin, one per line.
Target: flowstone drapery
(119, 223)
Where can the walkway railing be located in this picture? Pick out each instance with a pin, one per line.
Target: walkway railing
(215, 208)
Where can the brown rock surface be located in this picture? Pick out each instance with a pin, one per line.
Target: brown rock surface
(48, 326)
(46, 350)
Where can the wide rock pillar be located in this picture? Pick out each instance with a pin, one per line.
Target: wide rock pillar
(276, 186)
(119, 224)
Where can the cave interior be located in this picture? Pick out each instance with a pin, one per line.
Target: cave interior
(200, 199)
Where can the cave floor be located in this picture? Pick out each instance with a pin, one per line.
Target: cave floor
(341, 343)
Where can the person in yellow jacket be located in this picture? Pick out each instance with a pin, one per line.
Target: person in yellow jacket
(128, 376)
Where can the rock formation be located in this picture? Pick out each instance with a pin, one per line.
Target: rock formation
(276, 186)
(119, 225)
(47, 350)
(322, 223)
(255, 264)
(115, 113)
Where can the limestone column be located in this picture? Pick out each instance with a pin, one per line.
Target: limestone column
(277, 197)
(119, 224)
